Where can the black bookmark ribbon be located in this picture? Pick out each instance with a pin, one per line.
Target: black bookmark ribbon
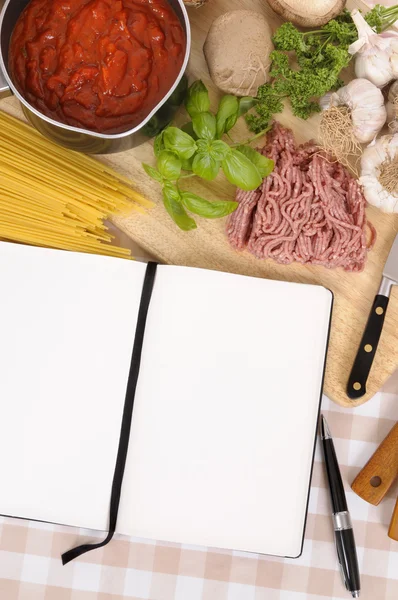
(126, 419)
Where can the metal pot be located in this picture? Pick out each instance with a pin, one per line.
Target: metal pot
(85, 140)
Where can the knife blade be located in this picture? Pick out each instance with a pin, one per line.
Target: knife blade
(356, 386)
(391, 269)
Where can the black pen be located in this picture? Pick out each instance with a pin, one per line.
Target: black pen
(344, 535)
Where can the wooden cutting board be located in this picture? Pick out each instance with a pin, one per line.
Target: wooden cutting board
(207, 246)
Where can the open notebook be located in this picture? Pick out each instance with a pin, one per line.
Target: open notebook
(226, 406)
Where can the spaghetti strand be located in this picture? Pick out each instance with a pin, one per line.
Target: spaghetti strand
(51, 196)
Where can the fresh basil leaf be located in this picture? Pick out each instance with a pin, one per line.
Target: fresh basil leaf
(179, 142)
(230, 122)
(204, 125)
(219, 150)
(245, 104)
(171, 191)
(203, 145)
(158, 144)
(173, 205)
(204, 208)
(169, 165)
(227, 108)
(186, 164)
(205, 166)
(154, 173)
(240, 171)
(264, 165)
(188, 128)
(197, 99)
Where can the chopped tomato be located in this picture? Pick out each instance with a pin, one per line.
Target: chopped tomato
(98, 64)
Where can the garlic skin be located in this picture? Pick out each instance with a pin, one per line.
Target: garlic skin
(377, 55)
(392, 108)
(366, 104)
(385, 149)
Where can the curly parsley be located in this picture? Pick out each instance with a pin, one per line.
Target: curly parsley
(312, 67)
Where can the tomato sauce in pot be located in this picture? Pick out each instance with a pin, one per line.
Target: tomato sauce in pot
(101, 65)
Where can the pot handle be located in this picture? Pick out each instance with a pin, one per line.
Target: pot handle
(4, 87)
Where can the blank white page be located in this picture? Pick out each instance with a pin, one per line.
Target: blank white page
(67, 324)
(226, 409)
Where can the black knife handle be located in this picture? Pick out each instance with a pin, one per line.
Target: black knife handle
(356, 387)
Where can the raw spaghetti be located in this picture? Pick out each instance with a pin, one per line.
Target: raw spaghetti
(53, 197)
(308, 210)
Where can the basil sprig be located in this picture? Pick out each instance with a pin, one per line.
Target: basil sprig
(197, 149)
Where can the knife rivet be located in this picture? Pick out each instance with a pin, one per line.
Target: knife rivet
(379, 310)
(357, 386)
(368, 348)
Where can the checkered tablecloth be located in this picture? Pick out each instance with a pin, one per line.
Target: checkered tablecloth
(31, 569)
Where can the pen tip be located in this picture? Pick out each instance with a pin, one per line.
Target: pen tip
(325, 431)
(355, 594)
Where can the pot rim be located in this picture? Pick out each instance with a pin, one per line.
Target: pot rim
(106, 136)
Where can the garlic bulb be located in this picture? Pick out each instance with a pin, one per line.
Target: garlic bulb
(377, 55)
(392, 108)
(366, 105)
(376, 160)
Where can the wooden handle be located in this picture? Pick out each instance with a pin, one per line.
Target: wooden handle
(393, 530)
(377, 476)
(356, 387)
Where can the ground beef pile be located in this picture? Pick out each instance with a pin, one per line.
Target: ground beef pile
(309, 210)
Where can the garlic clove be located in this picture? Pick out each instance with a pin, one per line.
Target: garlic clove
(357, 46)
(375, 66)
(385, 149)
(372, 158)
(388, 34)
(368, 113)
(366, 105)
(394, 64)
(365, 127)
(375, 54)
(328, 100)
(376, 195)
(365, 32)
(392, 108)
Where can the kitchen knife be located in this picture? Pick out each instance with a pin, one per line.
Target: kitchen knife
(356, 387)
